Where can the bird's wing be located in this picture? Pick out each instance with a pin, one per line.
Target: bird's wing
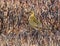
(31, 22)
(35, 20)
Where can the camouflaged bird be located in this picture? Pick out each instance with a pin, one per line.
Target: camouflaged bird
(34, 22)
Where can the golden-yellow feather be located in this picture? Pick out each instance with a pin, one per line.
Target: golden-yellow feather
(33, 21)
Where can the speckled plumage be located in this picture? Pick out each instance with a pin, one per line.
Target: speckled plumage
(33, 21)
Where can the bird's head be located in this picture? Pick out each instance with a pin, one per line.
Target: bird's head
(32, 13)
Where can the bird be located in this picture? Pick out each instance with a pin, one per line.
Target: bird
(34, 22)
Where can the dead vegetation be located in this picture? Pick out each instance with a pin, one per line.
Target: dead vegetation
(14, 26)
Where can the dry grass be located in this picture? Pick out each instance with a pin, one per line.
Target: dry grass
(15, 29)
